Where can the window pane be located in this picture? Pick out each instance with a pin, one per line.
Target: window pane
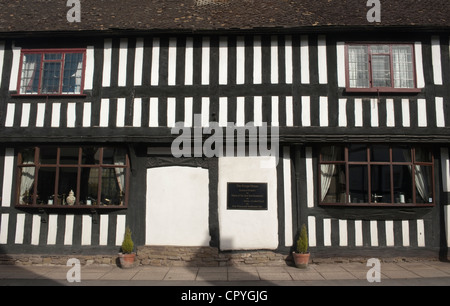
(423, 180)
(402, 184)
(90, 156)
(332, 183)
(31, 65)
(52, 56)
(332, 153)
(381, 71)
(379, 153)
(73, 68)
(357, 153)
(380, 183)
(358, 66)
(89, 185)
(379, 49)
(51, 77)
(67, 182)
(48, 156)
(27, 156)
(113, 181)
(403, 66)
(423, 155)
(68, 156)
(46, 184)
(358, 184)
(114, 156)
(401, 154)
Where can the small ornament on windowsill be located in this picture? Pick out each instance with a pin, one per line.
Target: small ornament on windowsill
(71, 198)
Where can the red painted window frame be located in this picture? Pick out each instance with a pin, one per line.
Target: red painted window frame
(380, 89)
(51, 51)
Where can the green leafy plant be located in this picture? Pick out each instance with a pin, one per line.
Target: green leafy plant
(302, 241)
(127, 244)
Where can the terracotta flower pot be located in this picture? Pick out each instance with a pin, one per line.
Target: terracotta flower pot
(301, 260)
(127, 260)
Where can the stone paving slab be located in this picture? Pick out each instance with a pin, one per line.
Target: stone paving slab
(314, 272)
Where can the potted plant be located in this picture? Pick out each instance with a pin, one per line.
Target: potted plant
(127, 256)
(301, 254)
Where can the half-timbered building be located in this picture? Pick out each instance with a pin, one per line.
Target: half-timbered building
(133, 116)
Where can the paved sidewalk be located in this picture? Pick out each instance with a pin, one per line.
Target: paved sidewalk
(407, 273)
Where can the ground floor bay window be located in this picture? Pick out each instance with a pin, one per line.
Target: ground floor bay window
(94, 175)
(378, 174)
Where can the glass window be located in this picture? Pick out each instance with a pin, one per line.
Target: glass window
(380, 66)
(48, 175)
(377, 174)
(51, 73)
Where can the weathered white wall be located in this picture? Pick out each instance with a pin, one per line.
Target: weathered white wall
(248, 229)
(177, 206)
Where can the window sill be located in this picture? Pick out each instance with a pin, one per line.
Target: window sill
(48, 95)
(84, 206)
(383, 90)
(396, 205)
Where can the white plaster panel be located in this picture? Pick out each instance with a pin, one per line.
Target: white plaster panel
(248, 229)
(177, 208)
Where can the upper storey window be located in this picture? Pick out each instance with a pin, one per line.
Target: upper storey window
(52, 72)
(380, 67)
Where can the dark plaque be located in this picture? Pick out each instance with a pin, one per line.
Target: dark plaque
(247, 196)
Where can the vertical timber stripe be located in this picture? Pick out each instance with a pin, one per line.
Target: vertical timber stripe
(107, 55)
(419, 65)
(29, 229)
(351, 112)
(287, 196)
(8, 170)
(2, 57)
(89, 73)
(231, 60)
(167, 57)
(436, 59)
(381, 233)
(14, 76)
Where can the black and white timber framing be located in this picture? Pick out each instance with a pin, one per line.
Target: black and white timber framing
(137, 87)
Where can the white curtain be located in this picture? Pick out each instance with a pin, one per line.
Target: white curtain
(119, 160)
(421, 180)
(403, 67)
(327, 170)
(421, 175)
(27, 177)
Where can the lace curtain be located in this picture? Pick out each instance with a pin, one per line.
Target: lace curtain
(27, 176)
(422, 174)
(119, 160)
(403, 67)
(327, 170)
(358, 66)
